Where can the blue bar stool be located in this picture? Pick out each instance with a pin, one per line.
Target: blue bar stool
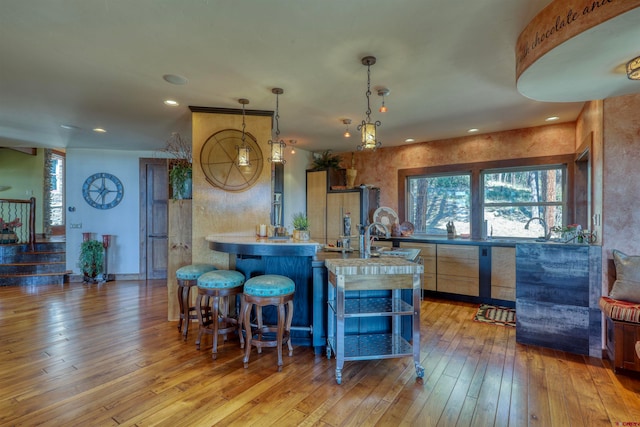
(187, 276)
(218, 286)
(268, 289)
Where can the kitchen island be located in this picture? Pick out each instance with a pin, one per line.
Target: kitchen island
(253, 256)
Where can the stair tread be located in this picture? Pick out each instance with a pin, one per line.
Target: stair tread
(55, 273)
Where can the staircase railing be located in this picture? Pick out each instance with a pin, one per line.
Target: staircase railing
(24, 211)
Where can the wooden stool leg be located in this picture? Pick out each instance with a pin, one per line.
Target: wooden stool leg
(201, 320)
(289, 321)
(280, 333)
(240, 322)
(246, 313)
(185, 311)
(215, 317)
(181, 304)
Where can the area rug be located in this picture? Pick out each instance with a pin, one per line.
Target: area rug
(496, 315)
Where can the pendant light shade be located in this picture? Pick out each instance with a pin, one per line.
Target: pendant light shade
(368, 129)
(243, 149)
(277, 145)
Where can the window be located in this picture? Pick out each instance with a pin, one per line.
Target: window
(435, 200)
(523, 202)
(507, 193)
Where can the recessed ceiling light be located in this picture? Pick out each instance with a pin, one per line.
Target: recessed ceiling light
(171, 102)
(409, 140)
(175, 79)
(69, 127)
(99, 130)
(472, 130)
(551, 119)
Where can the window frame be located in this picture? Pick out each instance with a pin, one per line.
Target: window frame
(441, 175)
(475, 169)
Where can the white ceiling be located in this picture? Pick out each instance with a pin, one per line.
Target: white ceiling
(449, 64)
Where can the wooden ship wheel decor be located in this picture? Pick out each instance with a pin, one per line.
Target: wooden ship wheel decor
(226, 162)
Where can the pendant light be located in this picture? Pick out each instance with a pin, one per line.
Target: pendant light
(368, 128)
(347, 122)
(243, 149)
(277, 145)
(383, 92)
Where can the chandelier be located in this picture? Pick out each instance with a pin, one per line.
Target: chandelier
(368, 128)
(243, 149)
(277, 145)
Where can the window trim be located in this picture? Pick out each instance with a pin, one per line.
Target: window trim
(475, 170)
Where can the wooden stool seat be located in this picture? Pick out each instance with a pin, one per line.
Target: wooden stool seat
(217, 286)
(268, 289)
(187, 276)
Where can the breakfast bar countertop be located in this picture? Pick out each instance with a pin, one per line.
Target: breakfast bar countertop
(254, 245)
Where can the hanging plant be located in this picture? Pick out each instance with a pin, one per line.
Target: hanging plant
(180, 165)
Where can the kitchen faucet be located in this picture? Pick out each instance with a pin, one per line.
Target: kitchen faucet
(366, 251)
(547, 234)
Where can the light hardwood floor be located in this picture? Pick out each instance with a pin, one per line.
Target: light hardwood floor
(102, 355)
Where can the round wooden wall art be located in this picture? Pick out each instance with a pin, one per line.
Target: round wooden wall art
(219, 161)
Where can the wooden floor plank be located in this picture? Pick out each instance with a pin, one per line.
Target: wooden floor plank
(103, 355)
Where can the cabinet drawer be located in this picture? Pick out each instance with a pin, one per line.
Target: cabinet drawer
(426, 249)
(458, 285)
(458, 267)
(503, 267)
(504, 293)
(458, 252)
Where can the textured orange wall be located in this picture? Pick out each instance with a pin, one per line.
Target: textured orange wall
(621, 196)
(380, 168)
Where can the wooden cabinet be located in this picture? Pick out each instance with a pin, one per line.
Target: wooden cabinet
(326, 207)
(317, 205)
(457, 269)
(503, 273)
(428, 260)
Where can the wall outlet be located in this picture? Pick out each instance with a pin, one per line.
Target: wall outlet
(78, 225)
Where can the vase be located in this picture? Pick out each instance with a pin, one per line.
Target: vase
(351, 177)
(300, 234)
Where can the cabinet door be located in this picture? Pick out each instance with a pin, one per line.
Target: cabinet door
(428, 257)
(458, 269)
(503, 273)
(337, 205)
(317, 205)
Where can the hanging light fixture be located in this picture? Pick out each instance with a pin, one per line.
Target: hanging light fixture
(243, 149)
(368, 128)
(277, 146)
(383, 92)
(292, 143)
(347, 122)
(633, 69)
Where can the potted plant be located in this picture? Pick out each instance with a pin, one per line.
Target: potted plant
(180, 166)
(91, 259)
(300, 226)
(326, 160)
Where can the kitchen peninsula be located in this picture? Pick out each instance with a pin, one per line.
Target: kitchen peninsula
(254, 256)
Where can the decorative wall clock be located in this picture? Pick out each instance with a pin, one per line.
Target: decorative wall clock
(219, 161)
(102, 190)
